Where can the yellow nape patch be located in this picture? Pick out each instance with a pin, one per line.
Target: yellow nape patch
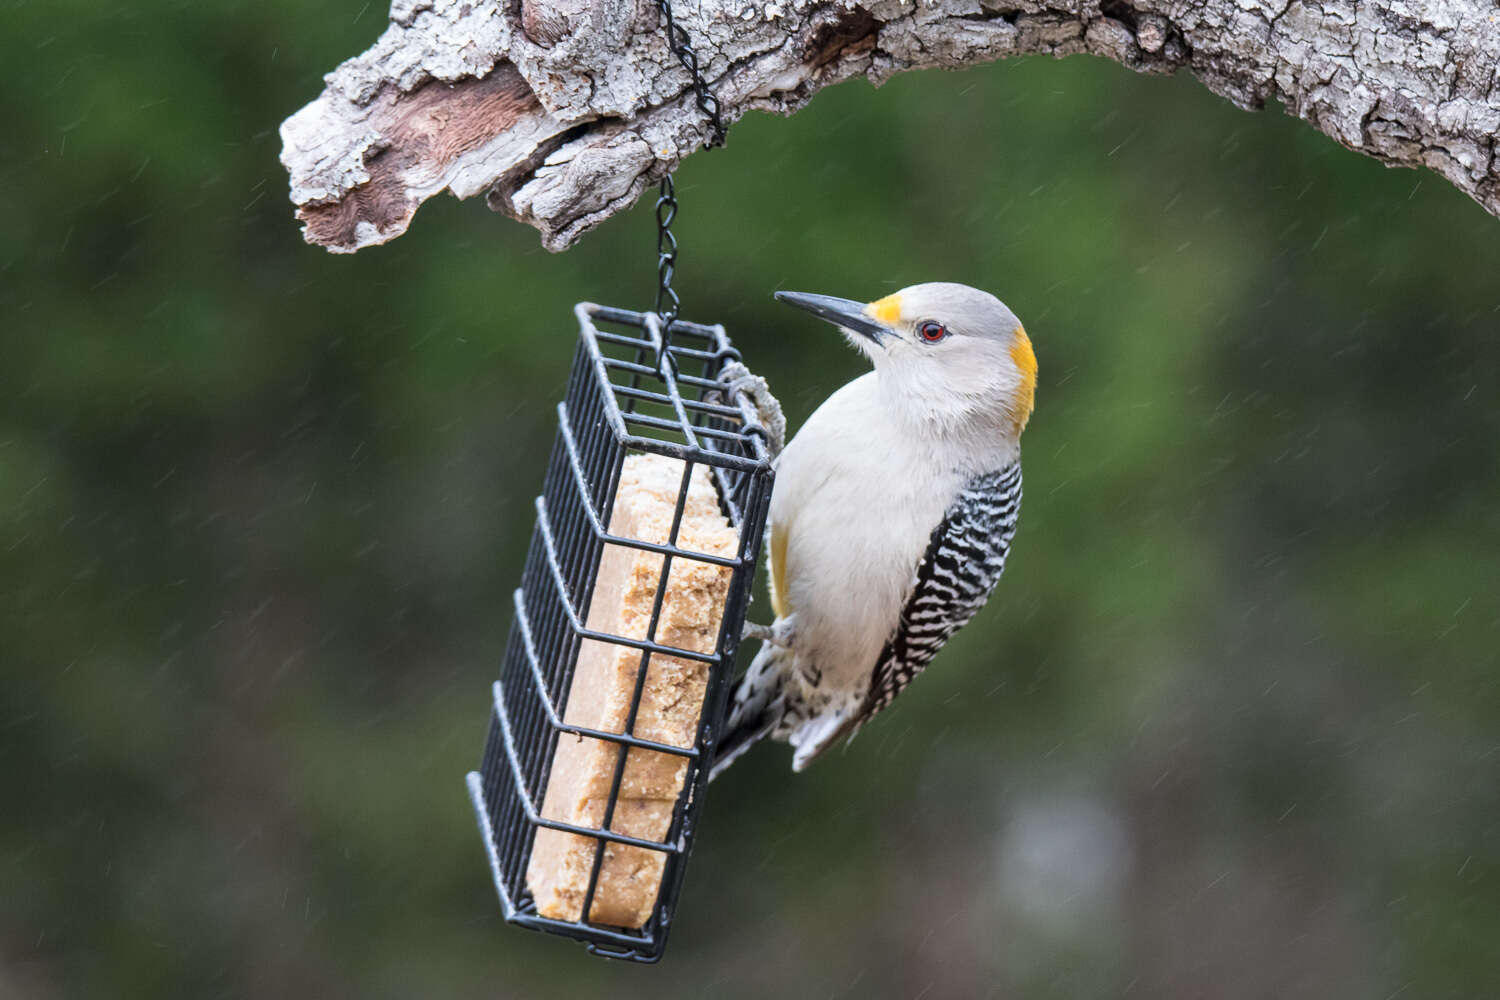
(886, 310)
(1025, 359)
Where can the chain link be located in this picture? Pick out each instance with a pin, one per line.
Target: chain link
(681, 46)
(667, 302)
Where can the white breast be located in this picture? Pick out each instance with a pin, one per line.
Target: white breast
(857, 496)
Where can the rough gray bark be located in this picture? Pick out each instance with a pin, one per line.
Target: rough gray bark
(563, 111)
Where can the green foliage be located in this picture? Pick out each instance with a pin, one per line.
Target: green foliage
(261, 509)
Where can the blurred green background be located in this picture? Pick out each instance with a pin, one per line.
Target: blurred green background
(1230, 728)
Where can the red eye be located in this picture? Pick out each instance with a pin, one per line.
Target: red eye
(932, 332)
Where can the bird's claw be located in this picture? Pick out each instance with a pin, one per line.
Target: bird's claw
(736, 378)
(760, 633)
(778, 634)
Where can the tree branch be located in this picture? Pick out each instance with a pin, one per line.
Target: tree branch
(563, 111)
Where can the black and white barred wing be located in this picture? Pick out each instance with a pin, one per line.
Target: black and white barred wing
(964, 560)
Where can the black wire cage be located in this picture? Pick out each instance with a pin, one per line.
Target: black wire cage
(640, 568)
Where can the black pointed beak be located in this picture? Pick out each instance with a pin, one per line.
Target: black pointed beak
(845, 313)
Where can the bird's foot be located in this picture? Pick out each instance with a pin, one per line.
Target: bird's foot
(760, 633)
(776, 635)
(736, 378)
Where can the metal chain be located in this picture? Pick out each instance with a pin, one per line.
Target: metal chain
(667, 302)
(681, 46)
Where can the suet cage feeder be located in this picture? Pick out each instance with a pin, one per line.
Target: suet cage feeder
(631, 391)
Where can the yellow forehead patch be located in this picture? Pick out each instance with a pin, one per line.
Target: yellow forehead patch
(886, 310)
(1025, 359)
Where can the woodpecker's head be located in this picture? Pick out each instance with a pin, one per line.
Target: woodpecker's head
(949, 352)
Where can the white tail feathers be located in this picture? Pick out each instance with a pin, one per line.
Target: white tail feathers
(755, 709)
(813, 737)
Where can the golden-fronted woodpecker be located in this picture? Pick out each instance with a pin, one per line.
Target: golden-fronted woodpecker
(891, 516)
